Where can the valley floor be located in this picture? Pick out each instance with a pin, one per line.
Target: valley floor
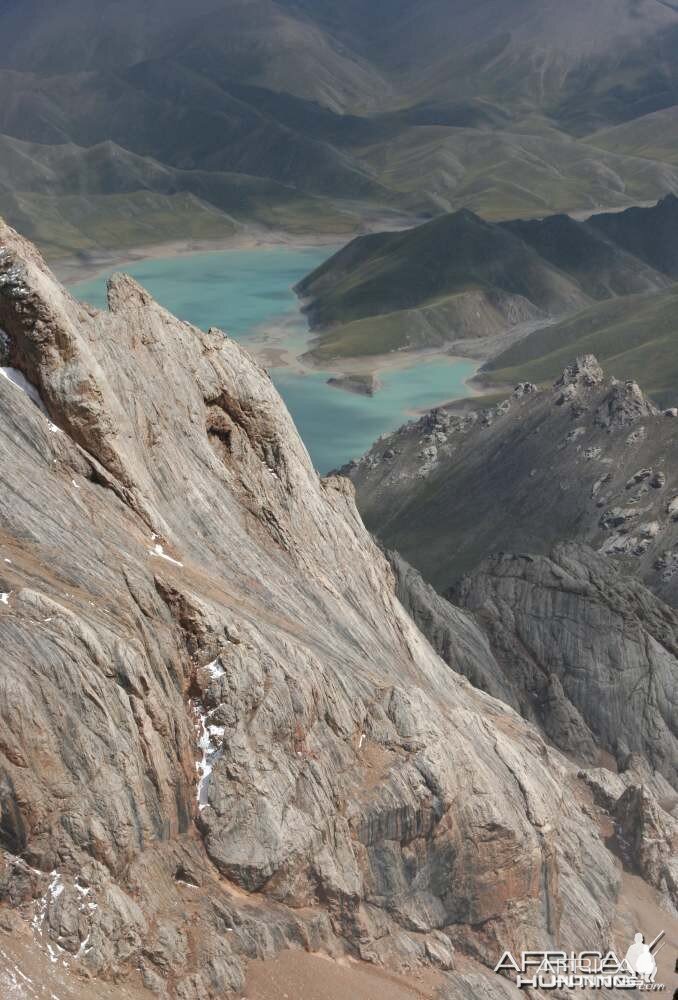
(317, 977)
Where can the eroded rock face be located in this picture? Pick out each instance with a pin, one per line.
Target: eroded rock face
(586, 652)
(220, 733)
(573, 646)
(454, 634)
(584, 370)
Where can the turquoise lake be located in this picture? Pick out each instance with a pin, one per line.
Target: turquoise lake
(241, 291)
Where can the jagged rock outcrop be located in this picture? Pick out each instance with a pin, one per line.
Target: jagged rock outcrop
(608, 786)
(640, 809)
(590, 459)
(220, 733)
(582, 371)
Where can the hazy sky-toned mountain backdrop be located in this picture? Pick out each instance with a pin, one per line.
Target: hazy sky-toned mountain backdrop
(147, 120)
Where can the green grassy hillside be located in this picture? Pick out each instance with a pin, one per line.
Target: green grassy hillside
(73, 199)
(435, 324)
(648, 233)
(634, 337)
(453, 254)
(461, 277)
(651, 137)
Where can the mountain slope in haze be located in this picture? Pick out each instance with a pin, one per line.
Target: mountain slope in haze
(187, 126)
(178, 117)
(460, 277)
(99, 197)
(529, 53)
(651, 136)
(415, 107)
(511, 169)
(356, 50)
(154, 81)
(261, 43)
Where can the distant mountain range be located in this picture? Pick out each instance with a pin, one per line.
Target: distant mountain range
(126, 123)
(495, 289)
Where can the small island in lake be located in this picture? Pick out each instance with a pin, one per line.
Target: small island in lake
(362, 385)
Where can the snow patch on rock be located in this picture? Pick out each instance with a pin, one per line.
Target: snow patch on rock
(158, 551)
(19, 380)
(209, 743)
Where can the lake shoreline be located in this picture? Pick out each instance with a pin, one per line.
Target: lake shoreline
(73, 270)
(273, 352)
(270, 346)
(248, 293)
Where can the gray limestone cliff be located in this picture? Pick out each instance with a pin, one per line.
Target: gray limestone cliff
(588, 653)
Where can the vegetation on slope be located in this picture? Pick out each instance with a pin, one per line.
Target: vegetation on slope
(461, 277)
(635, 337)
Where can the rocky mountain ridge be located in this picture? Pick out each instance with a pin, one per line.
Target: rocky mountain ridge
(588, 656)
(569, 637)
(221, 735)
(590, 459)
